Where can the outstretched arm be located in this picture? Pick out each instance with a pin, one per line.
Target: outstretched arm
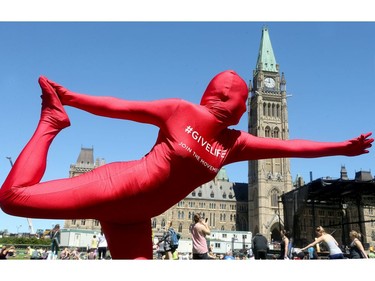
(312, 244)
(152, 112)
(253, 148)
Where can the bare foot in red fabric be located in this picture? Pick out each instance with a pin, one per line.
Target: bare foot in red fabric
(53, 111)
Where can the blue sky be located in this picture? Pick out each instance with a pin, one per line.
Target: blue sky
(329, 68)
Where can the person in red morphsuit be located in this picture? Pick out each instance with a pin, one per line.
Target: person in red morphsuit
(124, 196)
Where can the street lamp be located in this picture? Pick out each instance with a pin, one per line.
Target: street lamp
(18, 227)
(233, 239)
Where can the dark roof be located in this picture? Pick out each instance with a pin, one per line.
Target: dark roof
(86, 156)
(327, 191)
(335, 190)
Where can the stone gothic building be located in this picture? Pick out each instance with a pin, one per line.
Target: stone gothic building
(268, 117)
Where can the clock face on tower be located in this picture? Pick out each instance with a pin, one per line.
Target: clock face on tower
(269, 82)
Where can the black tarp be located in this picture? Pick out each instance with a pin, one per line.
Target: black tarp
(332, 193)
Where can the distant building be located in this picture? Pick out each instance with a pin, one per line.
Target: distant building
(85, 163)
(225, 241)
(78, 238)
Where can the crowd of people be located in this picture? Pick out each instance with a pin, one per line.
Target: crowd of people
(260, 249)
(98, 249)
(42, 253)
(201, 248)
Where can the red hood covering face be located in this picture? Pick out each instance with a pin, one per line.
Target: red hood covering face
(226, 97)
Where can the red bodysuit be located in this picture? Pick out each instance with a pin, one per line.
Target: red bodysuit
(124, 196)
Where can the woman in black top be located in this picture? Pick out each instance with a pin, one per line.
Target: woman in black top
(284, 245)
(356, 250)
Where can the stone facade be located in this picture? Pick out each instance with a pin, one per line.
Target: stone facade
(268, 117)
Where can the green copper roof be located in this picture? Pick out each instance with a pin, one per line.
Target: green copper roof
(222, 175)
(266, 58)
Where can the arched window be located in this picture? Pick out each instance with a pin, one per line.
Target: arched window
(276, 132)
(191, 215)
(274, 198)
(267, 132)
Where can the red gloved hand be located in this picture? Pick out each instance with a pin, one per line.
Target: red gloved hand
(359, 145)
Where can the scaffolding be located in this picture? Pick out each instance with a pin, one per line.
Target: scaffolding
(346, 199)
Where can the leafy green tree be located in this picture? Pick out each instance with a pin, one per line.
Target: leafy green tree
(24, 241)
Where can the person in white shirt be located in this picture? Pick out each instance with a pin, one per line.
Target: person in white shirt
(102, 246)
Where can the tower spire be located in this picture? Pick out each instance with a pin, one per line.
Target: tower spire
(266, 58)
(268, 117)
